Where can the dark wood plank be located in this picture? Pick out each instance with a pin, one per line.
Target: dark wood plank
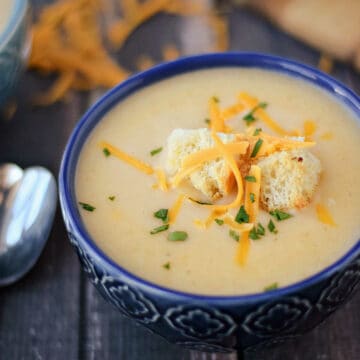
(108, 335)
(39, 315)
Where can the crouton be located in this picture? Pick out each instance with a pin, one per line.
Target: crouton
(289, 179)
(214, 178)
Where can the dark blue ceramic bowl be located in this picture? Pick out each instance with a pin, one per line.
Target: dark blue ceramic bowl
(14, 48)
(208, 323)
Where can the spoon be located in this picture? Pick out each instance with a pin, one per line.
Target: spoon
(27, 207)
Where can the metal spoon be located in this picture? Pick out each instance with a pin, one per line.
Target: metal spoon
(27, 207)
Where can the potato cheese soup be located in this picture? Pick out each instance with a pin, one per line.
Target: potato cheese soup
(224, 181)
(6, 7)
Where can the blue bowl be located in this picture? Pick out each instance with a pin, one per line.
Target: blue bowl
(208, 323)
(14, 48)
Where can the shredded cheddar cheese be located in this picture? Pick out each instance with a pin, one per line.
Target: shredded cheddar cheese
(324, 215)
(326, 63)
(251, 103)
(236, 148)
(68, 41)
(216, 119)
(170, 52)
(234, 168)
(144, 62)
(174, 210)
(193, 161)
(210, 219)
(136, 163)
(252, 209)
(232, 111)
(309, 128)
(162, 183)
(244, 227)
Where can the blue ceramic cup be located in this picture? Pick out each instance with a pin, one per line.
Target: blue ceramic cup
(208, 323)
(14, 48)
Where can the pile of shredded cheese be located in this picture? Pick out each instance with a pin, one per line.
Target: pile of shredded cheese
(69, 41)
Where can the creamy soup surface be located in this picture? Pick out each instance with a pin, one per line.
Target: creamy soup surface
(205, 262)
(6, 7)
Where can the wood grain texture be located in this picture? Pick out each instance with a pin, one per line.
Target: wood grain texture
(54, 312)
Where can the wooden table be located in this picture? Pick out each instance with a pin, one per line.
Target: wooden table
(54, 313)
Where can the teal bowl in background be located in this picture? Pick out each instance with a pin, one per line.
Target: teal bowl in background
(15, 40)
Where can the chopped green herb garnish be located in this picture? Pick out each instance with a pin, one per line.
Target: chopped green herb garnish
(271, 287)
(162, 214)
(199, 202)
(106, 152)
(253, 234)
(250, 178)
(87, 207)
(216, 99)
(167, 266)
(207, 120)
(257, 131)
(262, 105)
(252, 197)
(280, 215)
(256, 148)
(111, 198)
(159, 229)
(177, 236)
(272, 227)
(250, 118)
(242, 216)
(234, 234)
(260, 230)
(219, 221)
(256, 232)
(155, 151)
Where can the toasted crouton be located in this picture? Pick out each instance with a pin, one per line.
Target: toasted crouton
(214, 179)
(289, 179)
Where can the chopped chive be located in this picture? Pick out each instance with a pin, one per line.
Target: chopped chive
(111, 198)
(177, 236)
(260, 230)
(167, 266)
(252, 197)
(271, 287)
(87, 207)
(242, 216)
(253, 234)
(234, 234)
(156, 151)
(250, 178)
(199, 202)
(207, 120)
(272, 227)
(162, 214)
(106, 152)
(249, 117)
(262, 105)
(256, 148)
(159, 229)
(219, 221)
(280, 215)
(216, 99)
(257, 131)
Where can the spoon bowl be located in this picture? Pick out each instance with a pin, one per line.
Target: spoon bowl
(27, 208)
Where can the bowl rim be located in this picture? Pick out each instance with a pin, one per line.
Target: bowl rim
(18, 10)
(164, 71)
